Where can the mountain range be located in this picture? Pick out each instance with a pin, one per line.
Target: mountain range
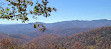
(60, 28)
(76, 34)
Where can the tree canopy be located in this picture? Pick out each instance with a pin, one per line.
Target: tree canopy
(18, 10)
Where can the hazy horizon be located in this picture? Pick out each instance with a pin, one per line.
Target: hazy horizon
(72, 10)
(53, 22)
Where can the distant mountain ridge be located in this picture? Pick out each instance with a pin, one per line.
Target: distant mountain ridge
(80, 24)
(65, 25)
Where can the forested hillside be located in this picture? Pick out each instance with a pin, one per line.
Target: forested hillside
(99, 38)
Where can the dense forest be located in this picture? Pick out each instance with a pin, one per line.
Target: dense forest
(99, 38)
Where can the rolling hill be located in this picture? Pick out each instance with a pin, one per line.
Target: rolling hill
(99, 38)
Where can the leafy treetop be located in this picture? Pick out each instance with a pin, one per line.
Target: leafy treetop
(18, 10)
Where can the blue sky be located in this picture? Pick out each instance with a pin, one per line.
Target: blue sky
(74, 10)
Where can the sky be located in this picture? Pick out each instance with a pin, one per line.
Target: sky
(68, 10)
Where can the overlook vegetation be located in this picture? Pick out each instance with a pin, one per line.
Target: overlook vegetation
(19, 10)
